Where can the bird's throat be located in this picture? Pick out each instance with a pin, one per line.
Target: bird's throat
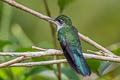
(60, 26)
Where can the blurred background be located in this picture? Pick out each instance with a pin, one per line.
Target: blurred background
(97, 19)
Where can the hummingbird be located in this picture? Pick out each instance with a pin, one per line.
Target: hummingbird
(70, 43)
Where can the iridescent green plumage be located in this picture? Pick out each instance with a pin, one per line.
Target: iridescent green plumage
(70, 43)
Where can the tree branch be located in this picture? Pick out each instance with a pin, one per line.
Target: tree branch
(93, 43)
(48, 52)
(5, 64)
(87, 56)
(29, 64)
(19, 6)
(53, 30)
(51, 52)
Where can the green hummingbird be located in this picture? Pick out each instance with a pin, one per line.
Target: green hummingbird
(71, 46)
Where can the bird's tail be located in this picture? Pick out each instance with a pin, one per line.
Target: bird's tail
(78, 63)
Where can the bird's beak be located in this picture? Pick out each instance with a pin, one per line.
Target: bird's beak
(53, 20)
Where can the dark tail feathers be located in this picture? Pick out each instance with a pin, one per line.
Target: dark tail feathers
(78, 64)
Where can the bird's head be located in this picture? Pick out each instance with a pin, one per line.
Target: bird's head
(63, 19)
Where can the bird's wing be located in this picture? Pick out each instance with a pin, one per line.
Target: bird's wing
(68, 54)
(74, 55)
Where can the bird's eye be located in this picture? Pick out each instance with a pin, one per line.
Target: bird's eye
(60, 21)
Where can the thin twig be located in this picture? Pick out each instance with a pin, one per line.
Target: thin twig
(98, 46)
(97, 53)
(19, 6)
(87, 56)
(37, 48)
(51, 52)
(5, 64)
(29, 64)
(48, 53)
(53, 31)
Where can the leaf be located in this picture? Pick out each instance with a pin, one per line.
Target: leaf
(112, 75)
(106, 67)
(94, 65)
(1, 78)
(36, 70)
(25, 49)
(45, 75)
(3, 43)
(63, 3)
(18, 72)
(70, 73)
(116, 51)
(39, 77)
(103, 66)
(3, 75)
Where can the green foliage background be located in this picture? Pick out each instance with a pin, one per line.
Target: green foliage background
(98, 19)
